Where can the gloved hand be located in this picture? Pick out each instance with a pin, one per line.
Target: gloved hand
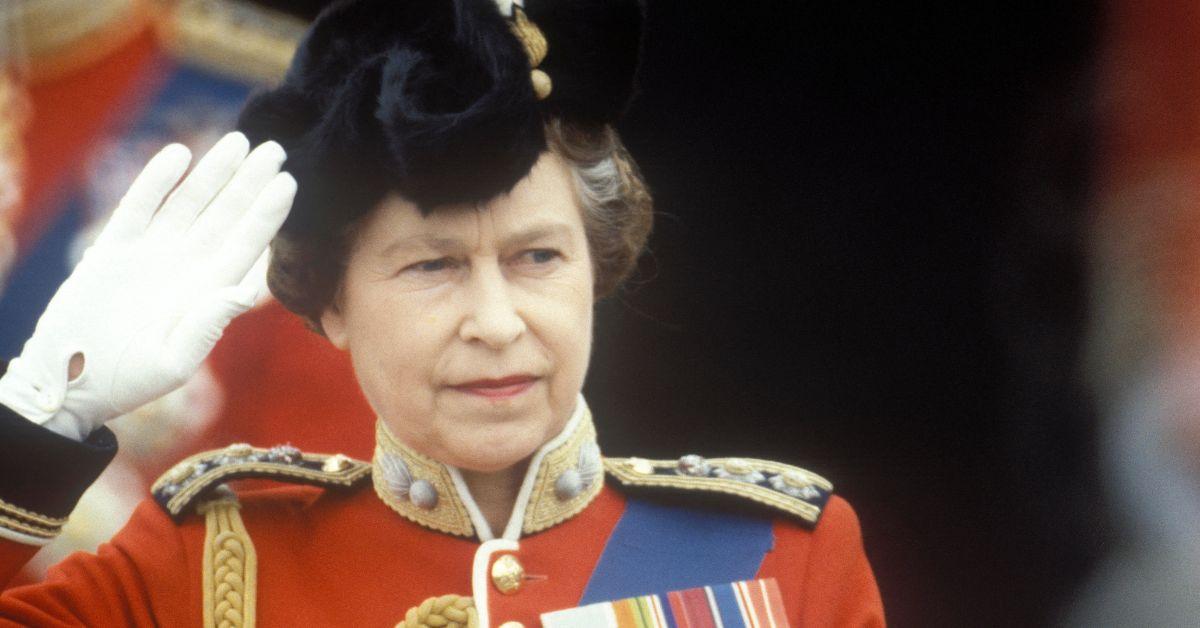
(151, 297)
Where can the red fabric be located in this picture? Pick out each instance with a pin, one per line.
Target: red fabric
(12, 557)
(562, 559)
(329, 558)
(823, 574)
(70, 113)
(283, 382)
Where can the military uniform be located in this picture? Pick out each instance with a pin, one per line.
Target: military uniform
(445, 103)
(367, 542)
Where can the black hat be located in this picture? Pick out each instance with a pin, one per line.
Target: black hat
(443, 101)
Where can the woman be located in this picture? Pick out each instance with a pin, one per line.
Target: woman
(463, 201)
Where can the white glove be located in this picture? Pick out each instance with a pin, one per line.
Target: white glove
(151, 297)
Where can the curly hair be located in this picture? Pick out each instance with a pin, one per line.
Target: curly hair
(306, 270)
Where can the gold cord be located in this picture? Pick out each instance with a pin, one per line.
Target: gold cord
(536, 47)
(230, 567)
(530, 36)
(447, 611)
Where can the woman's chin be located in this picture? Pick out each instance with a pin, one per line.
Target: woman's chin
(490, 458)
(479, 441)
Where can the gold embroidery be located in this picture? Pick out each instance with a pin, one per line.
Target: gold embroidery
(220, 466)
(230, 566)
(30, 516)
(26, 528)
(545, 509)
(448, 515)
(639, 472)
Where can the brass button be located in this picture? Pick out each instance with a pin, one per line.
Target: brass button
(507, 574)
(512, 624)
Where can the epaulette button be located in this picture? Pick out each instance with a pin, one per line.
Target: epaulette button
(640, 465)
(239, 450)
(283, 453)
(335, 463)
(795, 484)
(693, 465)
(738, 469)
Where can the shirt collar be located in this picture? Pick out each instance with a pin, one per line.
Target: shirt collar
(564, 476)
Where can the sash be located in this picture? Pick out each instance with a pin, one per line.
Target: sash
(656, 548)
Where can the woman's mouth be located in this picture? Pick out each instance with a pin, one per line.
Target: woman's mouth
(503, 388)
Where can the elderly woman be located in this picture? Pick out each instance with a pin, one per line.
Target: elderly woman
(463, 201)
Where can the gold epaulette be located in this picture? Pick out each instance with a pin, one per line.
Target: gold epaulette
(193, 478)
(778, 486)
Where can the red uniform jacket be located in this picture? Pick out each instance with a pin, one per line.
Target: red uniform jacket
(354, 556)
(333, 559)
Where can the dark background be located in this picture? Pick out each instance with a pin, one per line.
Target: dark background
(868, 260)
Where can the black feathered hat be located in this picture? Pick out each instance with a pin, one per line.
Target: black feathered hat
(443, 101)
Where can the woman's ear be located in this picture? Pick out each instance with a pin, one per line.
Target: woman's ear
(333, 323)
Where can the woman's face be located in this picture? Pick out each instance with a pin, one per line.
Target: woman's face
(470, 329)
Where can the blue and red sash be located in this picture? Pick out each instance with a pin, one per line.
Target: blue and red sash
(677, 567)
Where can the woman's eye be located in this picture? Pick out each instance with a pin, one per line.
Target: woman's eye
(541, 256)
(537, 262)
(432, 265)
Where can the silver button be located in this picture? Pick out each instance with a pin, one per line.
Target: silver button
(423, 495)
(693, 465)
(568, 485)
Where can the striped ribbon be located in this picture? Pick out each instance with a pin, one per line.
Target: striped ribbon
(746, 604)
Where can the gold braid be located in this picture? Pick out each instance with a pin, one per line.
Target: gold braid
(230, 566)
(447, 611)
(535, 45)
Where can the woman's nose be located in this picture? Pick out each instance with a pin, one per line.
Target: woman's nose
(491, 317)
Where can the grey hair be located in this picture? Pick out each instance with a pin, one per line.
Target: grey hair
(617, 207)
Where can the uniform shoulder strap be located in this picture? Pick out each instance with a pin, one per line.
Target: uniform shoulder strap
(726, 482)
(196, 476)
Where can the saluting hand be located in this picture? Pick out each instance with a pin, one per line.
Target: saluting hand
(151, 297)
